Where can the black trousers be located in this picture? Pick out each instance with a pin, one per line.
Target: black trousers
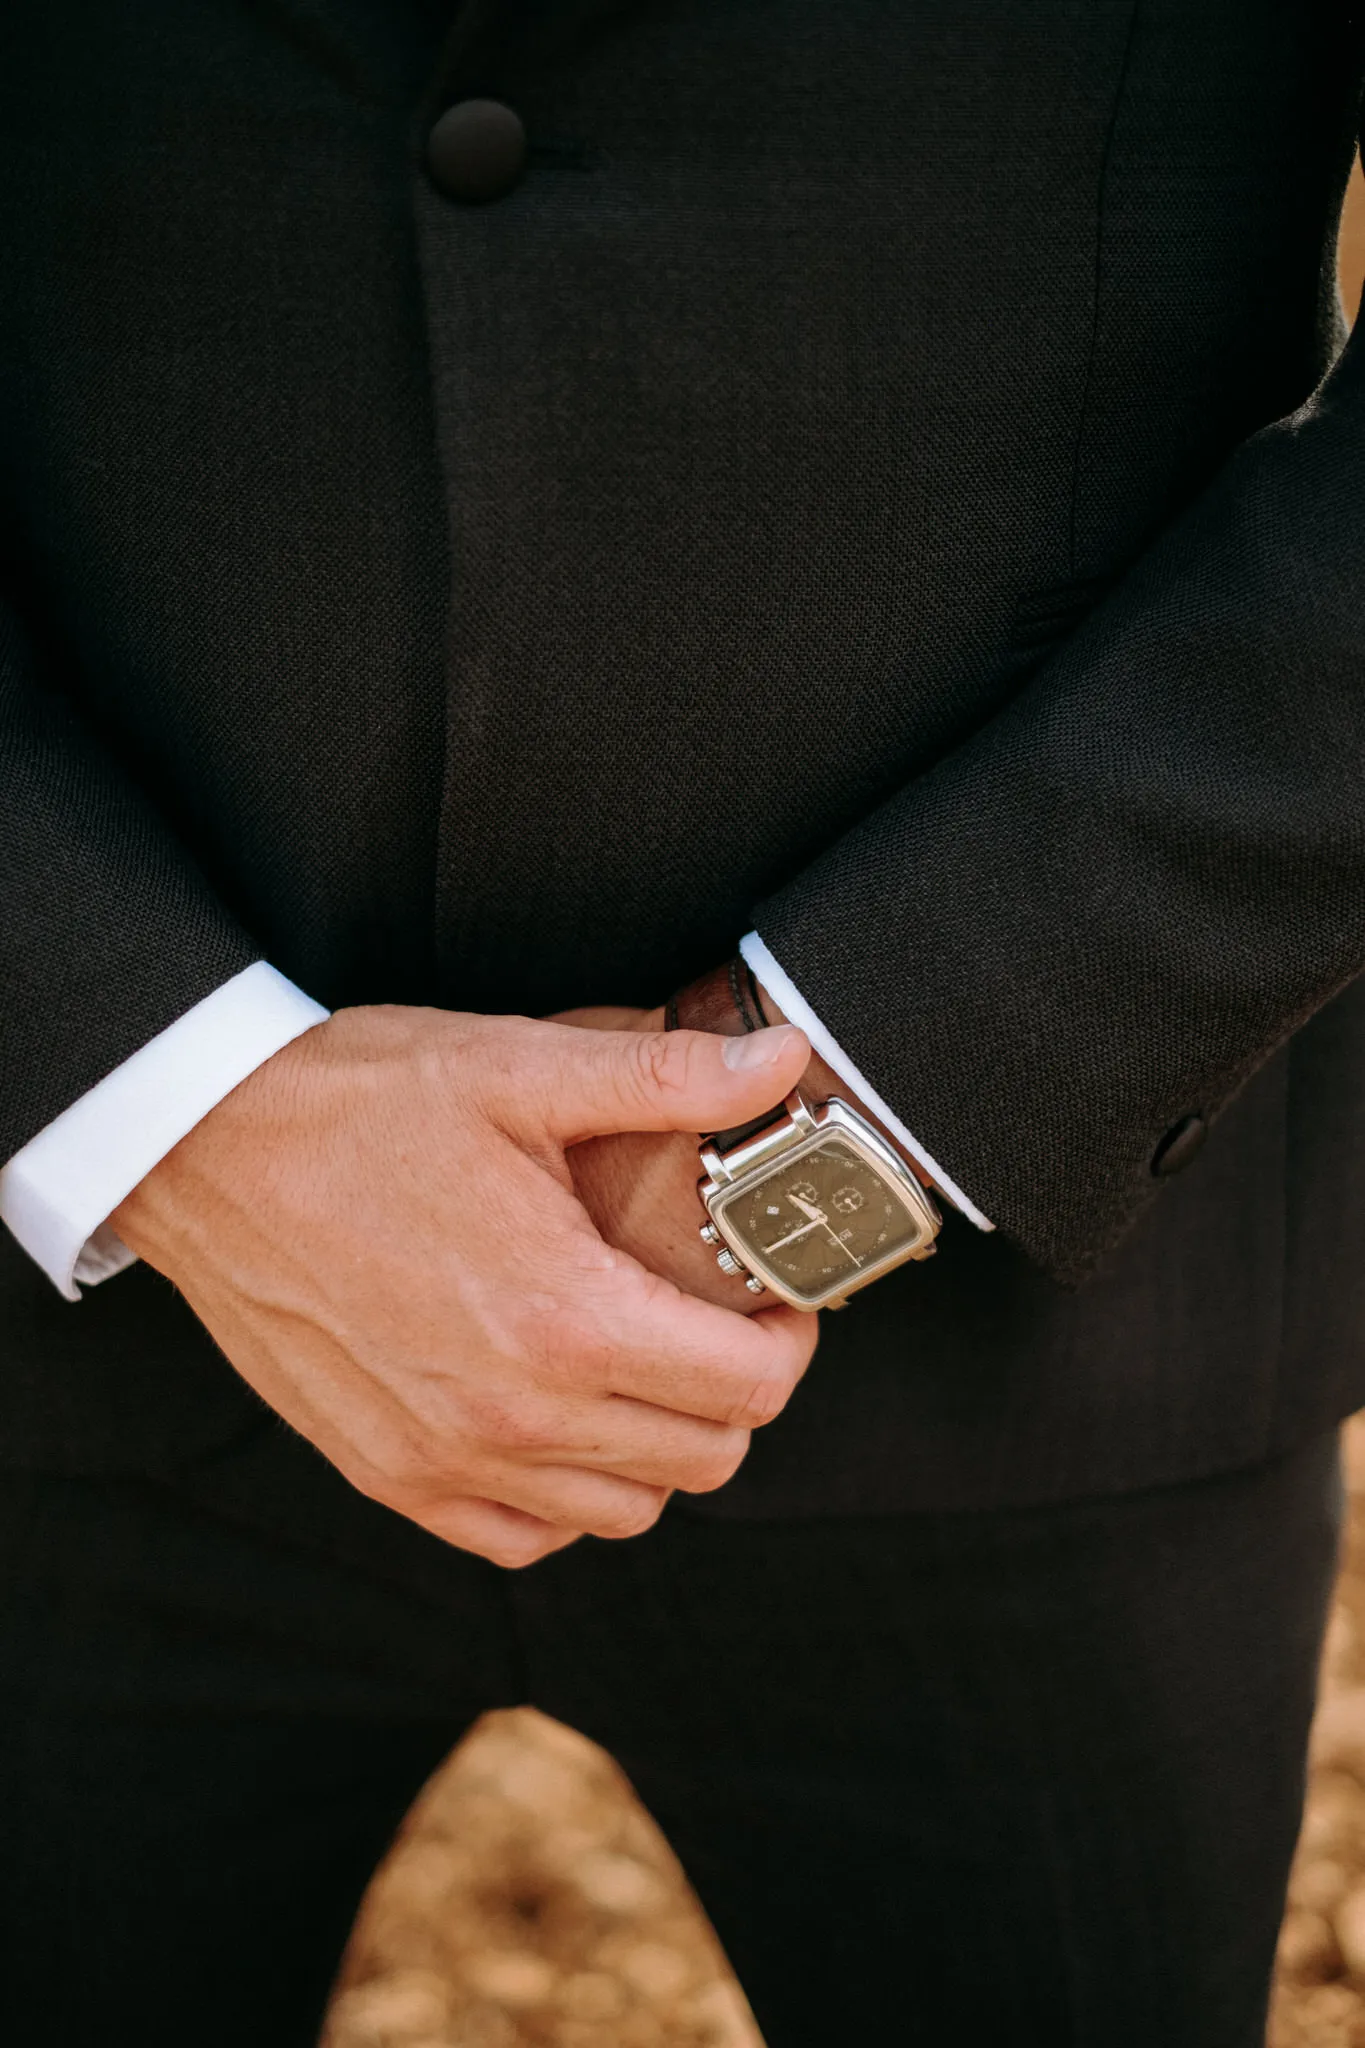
(1028, 1776)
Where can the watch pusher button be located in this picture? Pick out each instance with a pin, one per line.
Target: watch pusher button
(709, 1234)
(727, 1261)
(755, 1286)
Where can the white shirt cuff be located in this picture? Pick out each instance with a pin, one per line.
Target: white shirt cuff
(797, 1010)
(56, 1193)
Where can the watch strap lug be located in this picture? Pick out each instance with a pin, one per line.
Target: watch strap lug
(767, 1136)
(715, 1166)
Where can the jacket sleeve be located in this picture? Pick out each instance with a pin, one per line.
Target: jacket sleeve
(1106, 909)
(108, 932)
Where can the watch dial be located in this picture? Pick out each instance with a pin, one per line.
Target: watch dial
(822, 1219)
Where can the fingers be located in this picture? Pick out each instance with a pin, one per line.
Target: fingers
(574, 1084)
(680, 1453)
(525, 1452)
(540, 1510)
(501, 1534)
(652, 1446)
(674, 1351)
(584, 1502)
(583, 1459)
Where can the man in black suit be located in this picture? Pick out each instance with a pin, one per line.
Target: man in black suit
(849, 515)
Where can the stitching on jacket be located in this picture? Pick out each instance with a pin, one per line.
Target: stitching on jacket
(1101, 202)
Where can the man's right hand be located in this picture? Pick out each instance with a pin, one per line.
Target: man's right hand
(379, 1229)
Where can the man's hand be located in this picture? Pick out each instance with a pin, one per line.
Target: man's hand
(380, 1230)
(640, 1188)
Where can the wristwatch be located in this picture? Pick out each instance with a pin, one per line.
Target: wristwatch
(810, 1203)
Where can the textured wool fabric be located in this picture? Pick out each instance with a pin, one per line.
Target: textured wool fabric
(1030, 1776)
(840, 478)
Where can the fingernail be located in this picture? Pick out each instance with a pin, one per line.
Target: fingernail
(759, 1048)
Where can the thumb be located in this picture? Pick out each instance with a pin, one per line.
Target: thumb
(671, 1080)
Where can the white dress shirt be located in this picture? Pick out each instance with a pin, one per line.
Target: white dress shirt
(58, 1191)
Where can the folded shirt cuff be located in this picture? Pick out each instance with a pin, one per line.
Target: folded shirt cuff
(57, 1192)
(797, 1010)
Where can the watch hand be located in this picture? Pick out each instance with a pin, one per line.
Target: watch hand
(849, 1253)
(807, 1208)
(792, 1235)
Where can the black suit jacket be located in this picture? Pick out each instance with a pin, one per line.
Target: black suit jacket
(886, 469)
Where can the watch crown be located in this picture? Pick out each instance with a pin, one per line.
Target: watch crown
(727, 1261)
(709, 1234)
(754, 1286)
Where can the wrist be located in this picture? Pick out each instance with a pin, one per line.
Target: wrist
(731, 999)
(221, 1153)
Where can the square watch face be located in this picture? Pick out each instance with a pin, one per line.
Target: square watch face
(820, 1220)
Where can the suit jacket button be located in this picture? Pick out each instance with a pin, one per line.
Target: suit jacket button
(477, 150)
(1179, 1145)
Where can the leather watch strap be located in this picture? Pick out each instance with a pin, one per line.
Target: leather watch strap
(725, 1002)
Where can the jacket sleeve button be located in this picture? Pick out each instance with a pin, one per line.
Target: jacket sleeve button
(477, 150)
(1179, 1145)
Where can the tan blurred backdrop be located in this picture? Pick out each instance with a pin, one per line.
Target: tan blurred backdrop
(1352, 249)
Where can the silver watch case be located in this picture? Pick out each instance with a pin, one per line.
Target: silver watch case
(801, 1128)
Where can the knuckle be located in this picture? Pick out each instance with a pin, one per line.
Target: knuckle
(661, 1061)
(561, 1336)
(572, 1348)
(762, 1401)
(518, 1424)
(712, 1468)
(539, 1329)
(626, 1518)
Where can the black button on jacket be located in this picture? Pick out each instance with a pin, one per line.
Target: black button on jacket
(1179, 1145)
(477, 150)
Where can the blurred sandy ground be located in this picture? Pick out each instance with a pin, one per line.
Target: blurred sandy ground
(1320, 1996)
(1352, 250)
(531, 1904)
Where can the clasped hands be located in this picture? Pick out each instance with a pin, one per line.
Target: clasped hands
(460, 1255)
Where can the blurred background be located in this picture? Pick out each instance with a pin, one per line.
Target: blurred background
(531, 1903)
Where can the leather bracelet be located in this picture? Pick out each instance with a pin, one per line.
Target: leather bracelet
(726, 1003)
